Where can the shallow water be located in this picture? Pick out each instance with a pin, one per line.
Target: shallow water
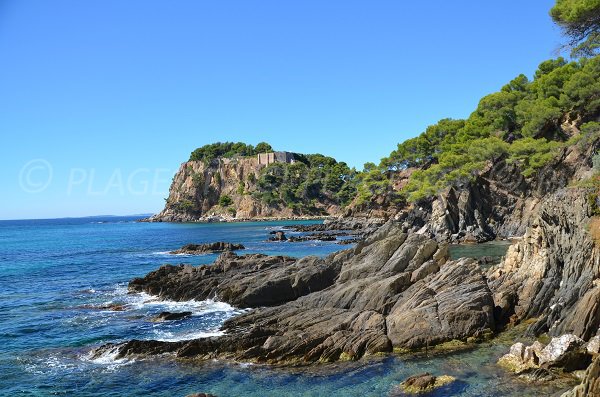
(493, 251)
(63, 292)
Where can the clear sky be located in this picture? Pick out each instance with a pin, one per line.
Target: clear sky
(101, 100)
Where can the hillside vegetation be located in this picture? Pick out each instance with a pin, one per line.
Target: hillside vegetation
(525, 123)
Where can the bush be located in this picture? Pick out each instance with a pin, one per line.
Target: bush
(531, 154)
(186, 205)
(225, 201)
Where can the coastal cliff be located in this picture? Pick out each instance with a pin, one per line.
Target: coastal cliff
(197, 189)
(233, 185)
(500, 203)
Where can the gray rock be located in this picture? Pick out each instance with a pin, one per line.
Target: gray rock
(351, 304)
(593, 346)
(549, 273)
(590, 386)
(558, 350)
(208, 248)
(168, 316)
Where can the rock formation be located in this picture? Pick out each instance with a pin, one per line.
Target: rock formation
(393, 291)
(500, 203)
(207, 248)
(168, 316)
(197, 191)
(590, 386)
(553, 272)
(422, 383)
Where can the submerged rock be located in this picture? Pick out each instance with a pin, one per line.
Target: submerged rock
(113, 307)
(200, 395)
(536, 375)
(278, 236)
(422, 383)
(208, 248)
(168, 316)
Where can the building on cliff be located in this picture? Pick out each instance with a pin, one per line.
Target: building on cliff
(275, 157)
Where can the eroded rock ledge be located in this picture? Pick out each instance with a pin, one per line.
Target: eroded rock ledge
(393, 291)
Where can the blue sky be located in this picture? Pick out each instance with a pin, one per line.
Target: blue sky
(100, 101)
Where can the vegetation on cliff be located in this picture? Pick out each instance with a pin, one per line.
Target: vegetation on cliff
(526, 122)
(299, 185)
(580, 22)
(207, 153)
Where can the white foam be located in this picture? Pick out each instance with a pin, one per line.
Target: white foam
(169, 253)
(166, 336)
(146, 302)
(108, 358)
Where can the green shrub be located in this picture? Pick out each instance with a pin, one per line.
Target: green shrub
(225, 201)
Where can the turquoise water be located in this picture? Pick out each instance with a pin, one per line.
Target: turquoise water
(61, 279)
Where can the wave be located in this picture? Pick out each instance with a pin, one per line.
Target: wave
(167, 336)
(107, 359)
(153, 303)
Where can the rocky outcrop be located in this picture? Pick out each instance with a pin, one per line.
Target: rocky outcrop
(244, 281)
(393, 291)
(207, 248)
(500, 203)
(567, 352)
(590, 386)
(553, 273)
(197, 190)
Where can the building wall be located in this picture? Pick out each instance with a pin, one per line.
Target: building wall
(275, 157)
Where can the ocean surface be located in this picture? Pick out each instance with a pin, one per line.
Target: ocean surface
(63, 291)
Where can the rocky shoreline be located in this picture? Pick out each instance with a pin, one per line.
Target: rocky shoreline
(398, 291)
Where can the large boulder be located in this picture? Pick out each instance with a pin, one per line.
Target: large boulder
(566, 352)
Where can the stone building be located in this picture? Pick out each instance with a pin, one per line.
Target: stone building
(275, 157)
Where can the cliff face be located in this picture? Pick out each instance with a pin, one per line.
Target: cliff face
(500, 203)
(197, 188)
(553, 273)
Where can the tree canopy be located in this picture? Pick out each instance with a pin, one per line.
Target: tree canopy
(299, 185)
(209, 152)
(580, 22)
(523, 123)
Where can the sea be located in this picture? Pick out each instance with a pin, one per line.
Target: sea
(63, 292)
